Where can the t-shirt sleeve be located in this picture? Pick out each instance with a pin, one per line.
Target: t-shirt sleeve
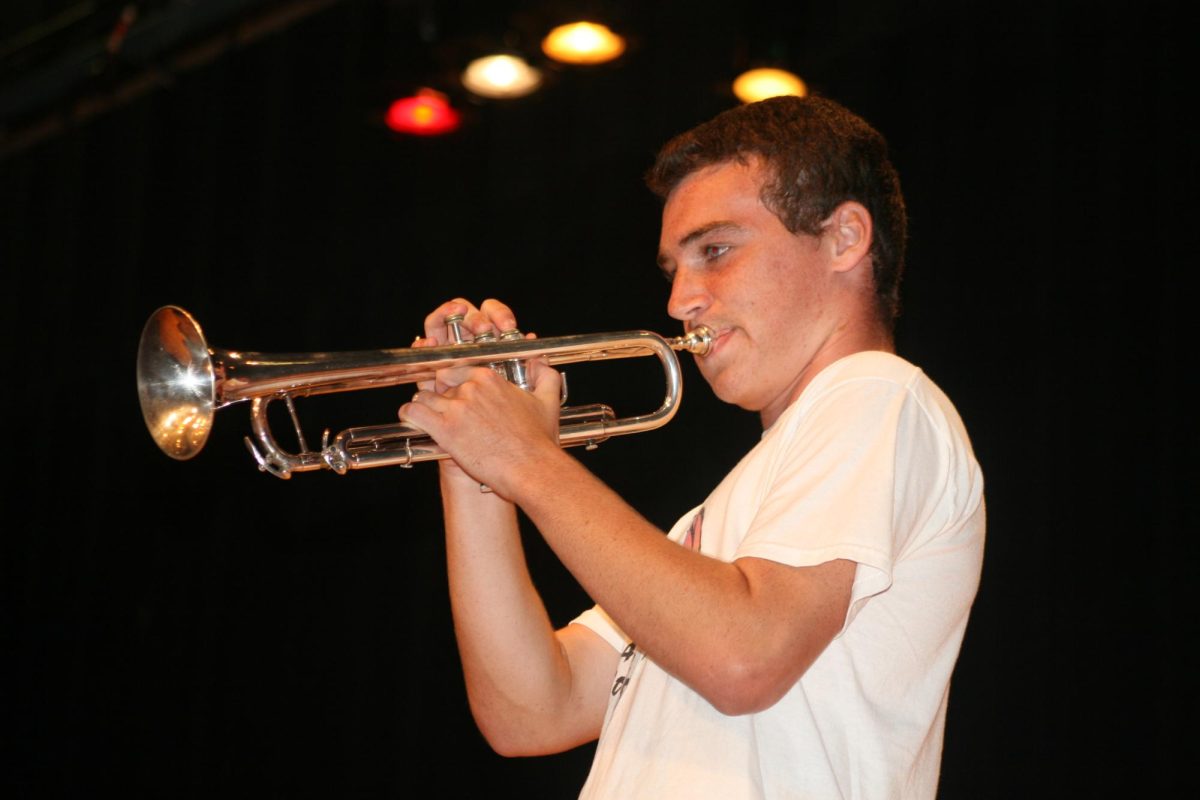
(598, 622)
(832, 492)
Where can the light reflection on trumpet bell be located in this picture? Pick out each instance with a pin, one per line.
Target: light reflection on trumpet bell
(182, 383)
(182, 432)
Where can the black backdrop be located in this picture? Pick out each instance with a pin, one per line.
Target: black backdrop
(199, 629)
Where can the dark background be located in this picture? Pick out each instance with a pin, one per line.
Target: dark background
(199, 629)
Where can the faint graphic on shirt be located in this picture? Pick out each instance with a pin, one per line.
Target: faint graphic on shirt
(631, 657)
(691, 539)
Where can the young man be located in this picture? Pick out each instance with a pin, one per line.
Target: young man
(794, 635)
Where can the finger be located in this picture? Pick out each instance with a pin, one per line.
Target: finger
(428, 411)
(451, 377)
(421, 416)
(437, 402)
(435, 322)
(438, 333)
(501, 316)
(477, 322)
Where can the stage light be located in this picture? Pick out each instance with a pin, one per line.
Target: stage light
(427, 113)
(501, 77)
(583, 43)
(759, 84)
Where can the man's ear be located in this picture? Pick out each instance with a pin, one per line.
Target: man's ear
(850, 229)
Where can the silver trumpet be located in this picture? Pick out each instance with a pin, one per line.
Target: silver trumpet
(182, 382)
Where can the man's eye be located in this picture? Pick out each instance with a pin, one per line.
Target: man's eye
(712, 251)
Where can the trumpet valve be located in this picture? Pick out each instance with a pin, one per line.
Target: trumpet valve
(515, 367)
(455, 330)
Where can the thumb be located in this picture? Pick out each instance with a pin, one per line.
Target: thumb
(546, 383)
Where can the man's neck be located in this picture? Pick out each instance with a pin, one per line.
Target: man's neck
(865, 338)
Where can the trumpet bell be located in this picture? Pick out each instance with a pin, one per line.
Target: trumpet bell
(176, 382)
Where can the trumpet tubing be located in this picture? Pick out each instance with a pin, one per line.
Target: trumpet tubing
(182, 382)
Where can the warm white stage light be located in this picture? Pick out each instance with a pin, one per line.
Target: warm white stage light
(583, 43)
(759, 84)
(501, 77)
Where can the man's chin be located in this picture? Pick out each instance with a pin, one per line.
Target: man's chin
(722, 387)
(729, 390)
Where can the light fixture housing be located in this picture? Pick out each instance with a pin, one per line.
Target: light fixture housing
(583, 43)
(759, 84)
(501, 76)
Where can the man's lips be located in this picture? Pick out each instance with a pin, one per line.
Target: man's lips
(719, 336)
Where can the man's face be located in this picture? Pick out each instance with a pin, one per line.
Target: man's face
(764, 291)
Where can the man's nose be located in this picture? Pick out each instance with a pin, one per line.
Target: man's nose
(689, 296)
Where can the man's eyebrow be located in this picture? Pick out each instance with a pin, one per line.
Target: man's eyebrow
(707, 228)
(703, 230)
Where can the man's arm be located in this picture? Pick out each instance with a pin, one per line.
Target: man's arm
(740, 634)
(532, 690)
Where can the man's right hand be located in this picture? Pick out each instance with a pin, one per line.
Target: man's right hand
(496, 406)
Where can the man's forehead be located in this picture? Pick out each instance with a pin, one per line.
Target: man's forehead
(749, 164)
(714, 194)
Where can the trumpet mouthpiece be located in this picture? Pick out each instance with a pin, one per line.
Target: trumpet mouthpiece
(696, 341)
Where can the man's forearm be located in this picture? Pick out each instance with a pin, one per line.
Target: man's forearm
(518, 676)
(740, 634)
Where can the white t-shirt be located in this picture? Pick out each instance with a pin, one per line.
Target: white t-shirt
(872, 464)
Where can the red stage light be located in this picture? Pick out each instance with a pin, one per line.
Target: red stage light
(428, 113)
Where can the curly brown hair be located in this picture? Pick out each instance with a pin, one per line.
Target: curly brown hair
(821, 155)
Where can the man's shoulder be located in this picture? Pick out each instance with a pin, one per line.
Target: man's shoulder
(870, 380)
(865, 365)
